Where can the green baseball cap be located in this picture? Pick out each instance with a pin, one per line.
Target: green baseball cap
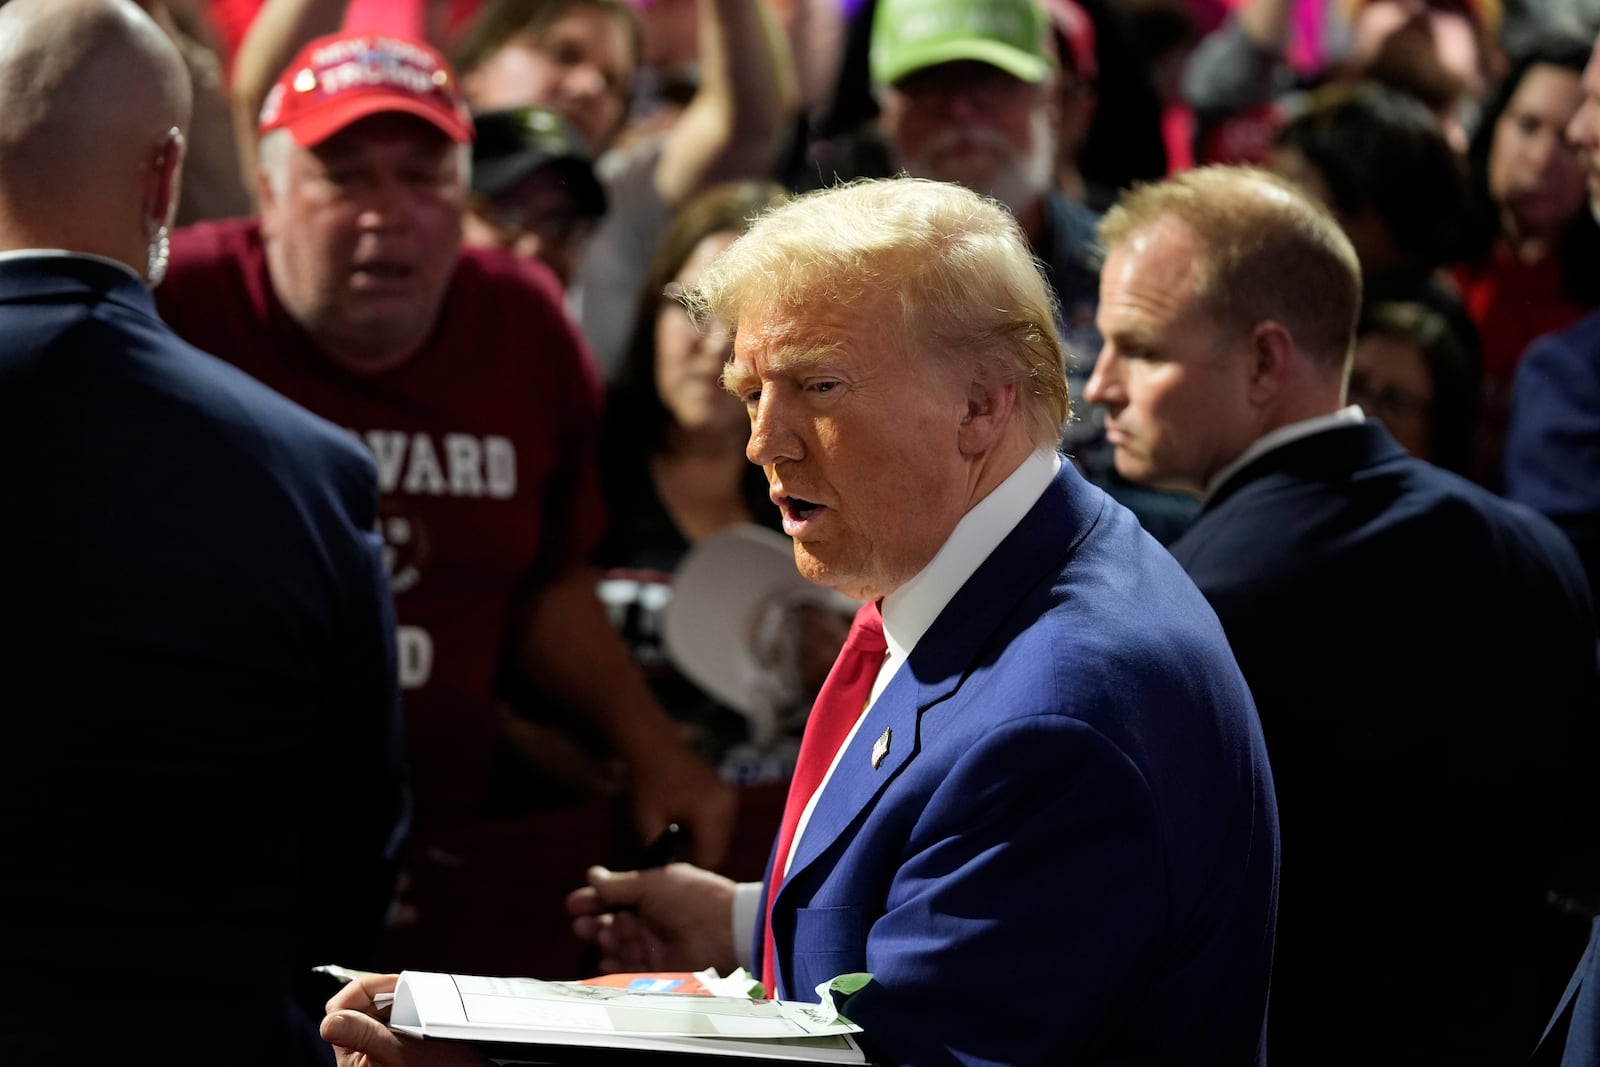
(910, 35)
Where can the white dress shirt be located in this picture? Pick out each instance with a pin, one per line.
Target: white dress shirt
(908, 612)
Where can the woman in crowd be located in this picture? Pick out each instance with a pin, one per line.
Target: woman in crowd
(1529, 268)
(672, 458)
(1414, 374)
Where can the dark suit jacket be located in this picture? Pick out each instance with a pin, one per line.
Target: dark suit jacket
(1068, 853)
(1572, 1036)
(1552, 449)
(200, 786)
(1423, 657)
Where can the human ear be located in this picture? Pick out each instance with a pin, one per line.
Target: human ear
(989, 408)
(1272, 349)
(165, 178)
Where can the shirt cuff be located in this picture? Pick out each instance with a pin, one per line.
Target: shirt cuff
(746, 903)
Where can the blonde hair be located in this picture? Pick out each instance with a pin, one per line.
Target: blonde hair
(966, 285)
(1270, 252)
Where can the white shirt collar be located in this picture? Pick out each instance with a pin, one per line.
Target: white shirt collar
(911, 609)
(36, 253)
(1346, 416)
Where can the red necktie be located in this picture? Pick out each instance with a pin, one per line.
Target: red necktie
(839, 704)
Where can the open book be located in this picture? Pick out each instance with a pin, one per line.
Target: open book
(559, 1022)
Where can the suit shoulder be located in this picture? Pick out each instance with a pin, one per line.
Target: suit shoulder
(1581, 336)
(1466, 501)
(1570, 357)
(1118, 634)
(288, 426)
(296, 443)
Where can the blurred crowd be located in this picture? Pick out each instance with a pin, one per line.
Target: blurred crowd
(621, 143)
(595, 607)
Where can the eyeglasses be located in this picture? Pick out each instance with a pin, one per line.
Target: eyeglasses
(511, 221)
(1391, 404)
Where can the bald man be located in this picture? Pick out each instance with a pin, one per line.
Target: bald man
(195, 630)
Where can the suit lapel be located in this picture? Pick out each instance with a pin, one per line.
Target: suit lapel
(855, 783)
(950, 651)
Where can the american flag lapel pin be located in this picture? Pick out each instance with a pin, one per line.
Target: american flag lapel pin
(880, 747)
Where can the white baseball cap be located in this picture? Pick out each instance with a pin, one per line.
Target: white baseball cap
(725, 626)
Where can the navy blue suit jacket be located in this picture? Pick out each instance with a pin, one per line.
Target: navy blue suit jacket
(1552, 450)
(1422, 655)
(1572, 1037)
(201, 786)
(1068, 854)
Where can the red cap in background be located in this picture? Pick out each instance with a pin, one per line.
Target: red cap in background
(338, 79)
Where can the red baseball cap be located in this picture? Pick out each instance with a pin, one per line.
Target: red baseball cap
(337, 79)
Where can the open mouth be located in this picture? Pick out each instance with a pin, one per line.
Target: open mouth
(380, 272)
(797, 508)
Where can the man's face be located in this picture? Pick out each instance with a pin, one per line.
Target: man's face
(580, 67)
(363, 238)
(975, 125)
(1584, 129)
(858, 437)
(1174, 386)
(538, 218)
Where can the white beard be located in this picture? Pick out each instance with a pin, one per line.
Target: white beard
(1017, 181)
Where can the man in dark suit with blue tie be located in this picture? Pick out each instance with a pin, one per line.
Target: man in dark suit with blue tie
(196, 639)
(1422, 652)
(1050, 837)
